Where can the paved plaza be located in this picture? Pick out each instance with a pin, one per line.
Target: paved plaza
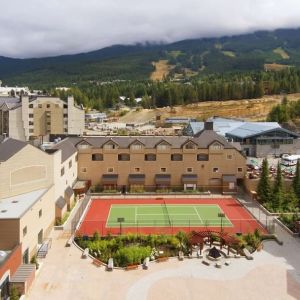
(273, 274)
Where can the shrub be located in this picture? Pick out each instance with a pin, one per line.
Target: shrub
(131, 255)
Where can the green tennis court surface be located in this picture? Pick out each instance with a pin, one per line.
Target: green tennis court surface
(152, 215)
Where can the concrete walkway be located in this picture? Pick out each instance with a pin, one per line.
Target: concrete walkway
(273, 274)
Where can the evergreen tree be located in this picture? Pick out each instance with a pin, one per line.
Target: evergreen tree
(296, 181)
(264, 190)
(277, 198)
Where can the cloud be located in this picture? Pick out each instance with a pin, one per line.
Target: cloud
(35, 28)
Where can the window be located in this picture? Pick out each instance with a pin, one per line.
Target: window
(110, 170)
(137, 170)
(30, 123)
(65, 130)
(240, 170)
(97, 157)
(229, 156)
(65, 115)
(83, 170)
(70, 163)
(163, 170)
(40, 213)
(83, 146)
(109, 146)
(190, 146)
(30, 130)
(189, 170)
(123, 157)
(48, 105)
(40, 106)
(216, 146)
(215, 170)
(30, 115)
(162, 147)
(150, 157)
(30, 105)
(24, 230)
(176, 157)
(136, 147)
(202, 157)
(62, 171)
(65, 105)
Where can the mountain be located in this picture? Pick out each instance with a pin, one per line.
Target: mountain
(249, 52)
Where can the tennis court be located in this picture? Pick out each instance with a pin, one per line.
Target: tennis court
(153, 215)
(150, 215)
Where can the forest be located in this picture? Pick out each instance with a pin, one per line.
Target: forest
(233, 86)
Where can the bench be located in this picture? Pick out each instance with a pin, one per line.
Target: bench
(131, 267)
(69, 242)
(163, 258)
(85, 253)
(97, 262)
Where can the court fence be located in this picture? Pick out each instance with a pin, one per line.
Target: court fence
(168, 226)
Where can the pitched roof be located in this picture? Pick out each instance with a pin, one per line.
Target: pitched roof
(60, 202)
(250, 129)
(67, 149)
(9, 147)
(205, 138)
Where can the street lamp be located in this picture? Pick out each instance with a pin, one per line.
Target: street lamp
(221, 215)
(120, 220)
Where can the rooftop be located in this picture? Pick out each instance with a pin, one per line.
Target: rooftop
(16, 206)
(9, 147)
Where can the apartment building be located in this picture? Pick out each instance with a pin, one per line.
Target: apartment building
(26, 196)
(39, 116)
(207, 162)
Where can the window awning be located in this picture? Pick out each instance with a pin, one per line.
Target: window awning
(189, 178)
(229, 178)
(136, 178)
(162, 178)
(110, 178)
(60, 202)
(69, 192)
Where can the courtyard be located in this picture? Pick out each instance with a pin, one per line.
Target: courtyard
(273, 274)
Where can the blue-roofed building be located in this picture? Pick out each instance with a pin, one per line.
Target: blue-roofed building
(263, 139)
(258, 139)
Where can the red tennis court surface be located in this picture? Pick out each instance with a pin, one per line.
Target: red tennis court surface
(98, 212)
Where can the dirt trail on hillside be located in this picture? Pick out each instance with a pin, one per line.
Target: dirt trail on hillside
(249, 109)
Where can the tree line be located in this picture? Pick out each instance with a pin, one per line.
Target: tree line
(169, 93)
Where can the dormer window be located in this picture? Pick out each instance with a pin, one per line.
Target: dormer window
(136, 146)
(216, 146)
(83, 145)
(190, 145)
(110, 146)
(163, 146)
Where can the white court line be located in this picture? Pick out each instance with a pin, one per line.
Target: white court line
(198, 215)
(135, 214)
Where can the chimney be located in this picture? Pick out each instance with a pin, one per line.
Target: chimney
(208, 125)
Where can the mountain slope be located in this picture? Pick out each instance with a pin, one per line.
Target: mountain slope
(186, 58)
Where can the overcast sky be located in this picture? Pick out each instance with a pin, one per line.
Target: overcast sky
(35, 28)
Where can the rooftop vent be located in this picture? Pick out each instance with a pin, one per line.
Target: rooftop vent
(15, 201)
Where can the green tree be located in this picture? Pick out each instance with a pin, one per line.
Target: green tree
(264, 190)
(296, 181)
(277, 197)
(14, 293)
